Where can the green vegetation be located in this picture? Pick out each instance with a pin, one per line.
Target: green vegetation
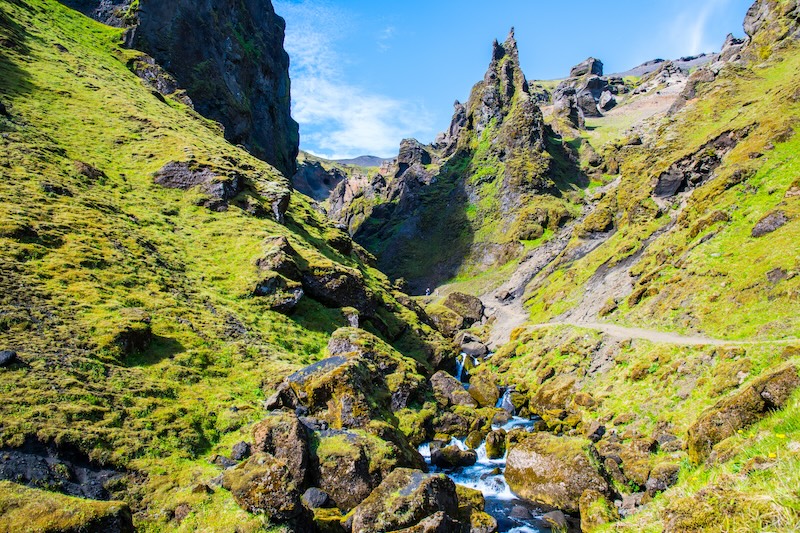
(131, 304)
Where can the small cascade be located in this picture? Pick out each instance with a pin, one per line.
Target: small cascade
(460, 362)
(505, 401)
(513, 515)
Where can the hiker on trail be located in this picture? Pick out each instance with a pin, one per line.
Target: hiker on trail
(428, 291)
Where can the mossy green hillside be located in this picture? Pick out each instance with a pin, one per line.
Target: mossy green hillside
(641, 390)
(699, 267)
(93, 249)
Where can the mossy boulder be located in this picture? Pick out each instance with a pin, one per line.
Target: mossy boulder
(740, 410)
(264, 484)
(363, 379)
(282, 435)
(496, 444)
(596, 510)
(483, 389)
(444, 319)
(351, 464)
(553, 395)
(337, 286)
(279, 293)
(436, 523)
(451, 424)
(448, 391)
(662, 477)
(28, 509)
(554, 470)
(404, 499)
(453, 456)
(469, 307)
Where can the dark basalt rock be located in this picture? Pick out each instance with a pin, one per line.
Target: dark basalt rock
(7, 358)
(59, 468)
(313, 180)
(588, 66)
(469, 307)
(694, 170)
(240, 451)
(453, 457)
(315, 498)
(769, 223)
(283, 435)
(229, 57)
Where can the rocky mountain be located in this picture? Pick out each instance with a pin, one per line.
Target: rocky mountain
(227, 56)
(498, 177)
(610, 342)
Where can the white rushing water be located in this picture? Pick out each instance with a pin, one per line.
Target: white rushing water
(486, 475)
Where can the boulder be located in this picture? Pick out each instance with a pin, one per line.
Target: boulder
(554, 470)
(453, 457)
(405, 498)
(279, 293)
(588, 66)
(448, 391)
(436, 523)
(445, 320)
(363, 379)
(496, 444)
(264, 484)
(483, 389)
(557, 521)
(769, 223)
(753, 402)
(337, 286)
(279, 256)
(241, 451)
(474, 349)
(596, 510)
(469, 307)
(9, 357)
(554, 394)
(282, 435)
(451, 424)
(315, 498)
(607, 101)
(662, 477)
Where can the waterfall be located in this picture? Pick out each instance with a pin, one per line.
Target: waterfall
(460, 362)
(505, 401)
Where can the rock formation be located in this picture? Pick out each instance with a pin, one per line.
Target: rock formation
(229, 58)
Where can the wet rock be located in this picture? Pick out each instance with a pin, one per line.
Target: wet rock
(554, 470)
(556, 520)
(448, 391)
(282, 435)
(315, 498)
(483, 389)
(769, 223)
(436, 523)
(588, 66)
(264, 484)
(453, 456)
(475, 349)
(739, 411)
(9, 357)
(241, 451)
(452, 424)
(404, 499)
(662, 477)
(496, 444)
(596, 510)
(475, 439)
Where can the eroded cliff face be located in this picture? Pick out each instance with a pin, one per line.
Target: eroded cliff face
(228, 55)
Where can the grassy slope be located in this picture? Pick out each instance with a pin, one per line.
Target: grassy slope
(694, 285)
(73, 265)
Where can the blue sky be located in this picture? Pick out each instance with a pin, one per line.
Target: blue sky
(368, 73)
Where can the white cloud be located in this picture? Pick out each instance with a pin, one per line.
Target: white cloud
(690, 29)
(339, 119)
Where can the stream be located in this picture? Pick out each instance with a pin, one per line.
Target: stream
(513, 514)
